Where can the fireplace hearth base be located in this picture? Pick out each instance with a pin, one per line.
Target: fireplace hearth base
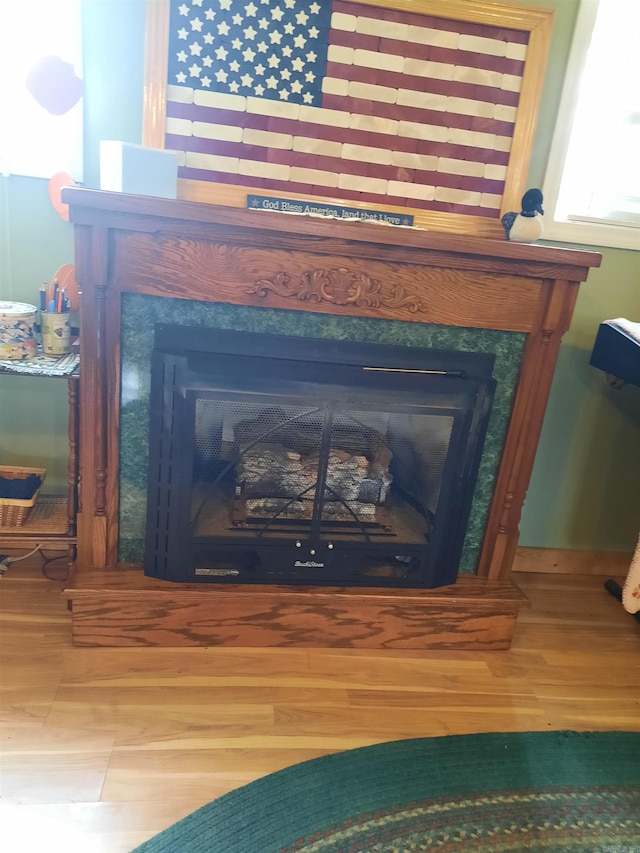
(123, 608)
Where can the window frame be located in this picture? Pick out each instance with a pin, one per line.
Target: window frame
(595, 233)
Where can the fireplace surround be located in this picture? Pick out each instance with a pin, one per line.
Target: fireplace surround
(142, 314)
(142, 262)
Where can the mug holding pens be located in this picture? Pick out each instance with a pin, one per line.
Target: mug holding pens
(55, 316)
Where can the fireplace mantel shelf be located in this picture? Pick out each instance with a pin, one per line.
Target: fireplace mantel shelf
(243, 260)
(137, 212)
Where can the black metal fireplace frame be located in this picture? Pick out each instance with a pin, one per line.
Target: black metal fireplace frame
(188, 362)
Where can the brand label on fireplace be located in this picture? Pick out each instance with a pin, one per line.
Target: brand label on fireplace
(219, 573)
(333, 211)
(307, 564)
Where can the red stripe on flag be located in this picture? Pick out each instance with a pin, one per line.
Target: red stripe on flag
(415, 115)
(482, 61)
(214, 115)
(335, 165)
(211, 115)
(346, 195)
(415, 19)
(413, 83)
(428, 53)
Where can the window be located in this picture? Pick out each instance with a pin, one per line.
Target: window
(592, 186)
(41, 88)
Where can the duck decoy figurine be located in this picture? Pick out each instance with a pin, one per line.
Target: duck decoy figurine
(526, 226)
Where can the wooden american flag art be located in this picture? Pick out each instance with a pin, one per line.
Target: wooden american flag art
(426, 107)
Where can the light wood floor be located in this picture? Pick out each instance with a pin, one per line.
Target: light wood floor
(102, 748)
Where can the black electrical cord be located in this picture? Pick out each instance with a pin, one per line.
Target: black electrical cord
(47, 560)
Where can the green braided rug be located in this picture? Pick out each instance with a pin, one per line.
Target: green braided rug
(541, 791)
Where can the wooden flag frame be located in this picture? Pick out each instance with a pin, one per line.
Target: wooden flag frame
(536, 22)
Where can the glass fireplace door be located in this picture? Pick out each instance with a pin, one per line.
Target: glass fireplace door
(274, 472)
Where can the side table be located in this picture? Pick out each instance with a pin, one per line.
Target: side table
(53, 518)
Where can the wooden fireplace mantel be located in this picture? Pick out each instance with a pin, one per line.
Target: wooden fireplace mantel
(184, 250)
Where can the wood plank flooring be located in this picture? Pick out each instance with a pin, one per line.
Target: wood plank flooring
(102, 748)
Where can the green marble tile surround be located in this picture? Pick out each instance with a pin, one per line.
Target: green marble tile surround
(140, 314)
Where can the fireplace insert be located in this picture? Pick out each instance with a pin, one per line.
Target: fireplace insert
(301, 461)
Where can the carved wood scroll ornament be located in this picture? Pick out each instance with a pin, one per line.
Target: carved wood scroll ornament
(339, 286)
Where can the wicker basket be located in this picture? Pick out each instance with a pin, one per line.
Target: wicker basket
(14, 512)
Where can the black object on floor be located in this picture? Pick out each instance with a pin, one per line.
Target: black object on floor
(614, 589)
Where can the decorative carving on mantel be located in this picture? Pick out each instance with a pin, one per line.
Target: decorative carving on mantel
(339, 286)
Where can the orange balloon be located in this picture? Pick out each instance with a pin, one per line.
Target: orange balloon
(56, 185)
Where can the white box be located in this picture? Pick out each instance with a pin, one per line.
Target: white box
(138, 170)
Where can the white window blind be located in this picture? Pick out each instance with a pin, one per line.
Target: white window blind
(40, 80)
(592, 187)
